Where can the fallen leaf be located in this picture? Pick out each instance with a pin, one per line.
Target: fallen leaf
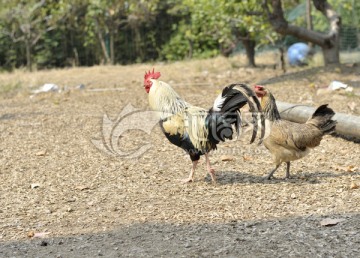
(351, 168)
(247, 158)
(32, 234)
(82, 187)
(354, 185)
(330, 222)
(227, 158)
(41, 153)
(35, 185)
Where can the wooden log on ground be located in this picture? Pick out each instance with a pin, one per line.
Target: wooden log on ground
(347, 125)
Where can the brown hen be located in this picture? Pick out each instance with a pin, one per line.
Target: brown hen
(288, 141)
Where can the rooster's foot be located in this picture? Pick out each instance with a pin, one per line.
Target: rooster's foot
(212, 174)
(187, 180)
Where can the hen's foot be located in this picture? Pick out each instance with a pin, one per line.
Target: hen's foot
(268, 177)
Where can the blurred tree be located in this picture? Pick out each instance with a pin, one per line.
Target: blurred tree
(328, 42)
(217, 26)
(106, 18)
(68, 41)
(26, 22)
(103, 18)
(88, 32)
(249, 26)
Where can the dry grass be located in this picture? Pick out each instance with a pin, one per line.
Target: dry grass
(82, 190)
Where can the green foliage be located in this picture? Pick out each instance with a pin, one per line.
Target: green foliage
(208, 27)
(88, 32)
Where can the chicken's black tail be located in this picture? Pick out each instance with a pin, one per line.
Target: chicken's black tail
(322, 119)
(225, 113)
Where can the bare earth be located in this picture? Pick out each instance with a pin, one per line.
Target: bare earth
(82, 202)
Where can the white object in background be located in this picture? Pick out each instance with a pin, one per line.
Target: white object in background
(47, 87)
(335, 85)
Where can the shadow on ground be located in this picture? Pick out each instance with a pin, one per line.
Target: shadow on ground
(235, 177)
(292, 237)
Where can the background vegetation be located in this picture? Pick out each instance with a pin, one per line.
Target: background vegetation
(46, 34)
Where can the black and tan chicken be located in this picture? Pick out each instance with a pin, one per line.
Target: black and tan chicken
(197, 130)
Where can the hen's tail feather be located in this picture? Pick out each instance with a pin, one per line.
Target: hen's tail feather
(232, 99)
(322, 119)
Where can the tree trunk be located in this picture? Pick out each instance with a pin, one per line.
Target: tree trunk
(103, 47)
(331, 55)
(331, 48)
(309, 24)
(308, 15)
(249, 46)
(28, 55)
(138, 46)
(76, 57)
(282, 59)
(112, 51)
(102, 43)
(191, 47)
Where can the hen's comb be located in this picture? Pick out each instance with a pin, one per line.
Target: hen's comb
(151, 75)
(259, 87)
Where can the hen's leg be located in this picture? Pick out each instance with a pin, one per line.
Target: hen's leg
(191, 175)
(270, 175)
(210, 170)
(288, 169)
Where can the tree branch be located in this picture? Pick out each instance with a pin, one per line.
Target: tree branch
(13, 37)
(277, 20)
(334, 19)
(36, 39)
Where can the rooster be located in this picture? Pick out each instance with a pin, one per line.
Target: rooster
(288, 141)
(197, 130)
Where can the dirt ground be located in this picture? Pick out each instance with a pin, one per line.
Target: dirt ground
(63, 197)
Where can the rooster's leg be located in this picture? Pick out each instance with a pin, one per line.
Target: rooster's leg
(210, 170)
(270, 175)
(288, 169)
(191, 175)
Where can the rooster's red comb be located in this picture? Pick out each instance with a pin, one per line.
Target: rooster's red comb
(151, 75)
(259, 87)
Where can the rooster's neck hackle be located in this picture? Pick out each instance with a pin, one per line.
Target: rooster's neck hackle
(269, 107)
(164, 99)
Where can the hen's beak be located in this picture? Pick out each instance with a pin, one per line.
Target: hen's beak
(259, 91)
